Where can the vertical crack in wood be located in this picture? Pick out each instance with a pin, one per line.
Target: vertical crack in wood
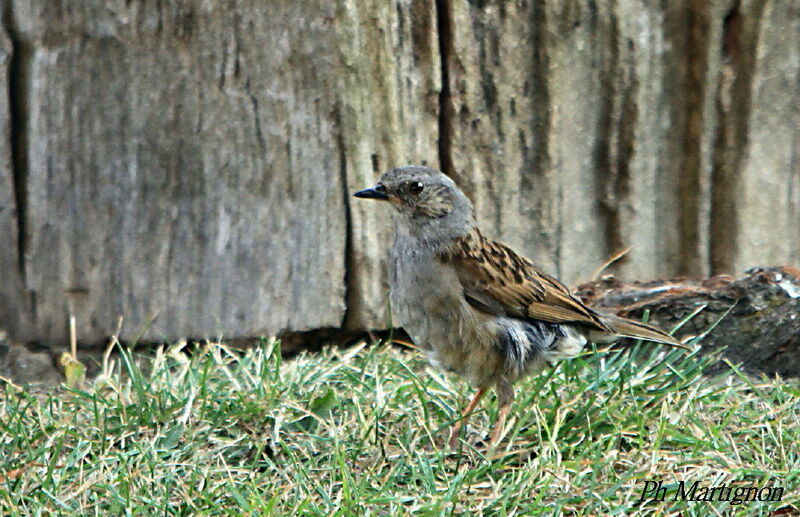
(262, 142)
(693, 186)
(538, 159)
(351, 295)
(733, 104)
(616, 135)
(19, 83)
(626, 144)
(444, 31)
(540, 84)
(609, 209)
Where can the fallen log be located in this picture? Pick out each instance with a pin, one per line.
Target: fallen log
(757, 317)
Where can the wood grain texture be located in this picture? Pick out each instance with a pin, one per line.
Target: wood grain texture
(195, 159)
(767, 206)
(183, 162)
(565, 153)
(585, 128)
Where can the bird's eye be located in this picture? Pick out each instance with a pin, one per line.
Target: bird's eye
(415, 187)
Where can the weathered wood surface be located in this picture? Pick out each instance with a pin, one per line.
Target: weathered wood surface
(194, 159)
(671, 128)
(755, 319)
(175, 164)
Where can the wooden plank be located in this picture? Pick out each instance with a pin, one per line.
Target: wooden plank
(196, 159)
(183, 162)
(768, 204)
(389, 102)
(564, 131)
(500, 123)
(582, 129)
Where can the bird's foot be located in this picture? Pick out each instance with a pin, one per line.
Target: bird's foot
(455, 436)
(497, 432)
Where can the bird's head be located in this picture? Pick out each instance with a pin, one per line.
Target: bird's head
(425, 199)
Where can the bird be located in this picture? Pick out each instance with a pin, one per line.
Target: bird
(474, 306)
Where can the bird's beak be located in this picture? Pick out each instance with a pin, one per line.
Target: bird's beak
(376, 192)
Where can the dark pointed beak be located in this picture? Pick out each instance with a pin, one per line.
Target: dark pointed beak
(376, 192)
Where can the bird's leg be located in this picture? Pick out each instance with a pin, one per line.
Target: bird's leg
(505, 396)
(456, 429)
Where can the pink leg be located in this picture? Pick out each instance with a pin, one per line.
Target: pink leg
(456, 429)
(498, 427)
(505, 396)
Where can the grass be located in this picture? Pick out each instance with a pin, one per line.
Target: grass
(214, 431)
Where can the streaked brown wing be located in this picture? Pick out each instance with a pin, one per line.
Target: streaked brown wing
(498, 281)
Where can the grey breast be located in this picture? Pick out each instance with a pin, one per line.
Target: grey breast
(424, 294)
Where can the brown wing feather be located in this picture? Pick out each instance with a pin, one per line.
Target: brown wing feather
(496, 280)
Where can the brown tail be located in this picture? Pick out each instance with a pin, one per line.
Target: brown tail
(624, 327)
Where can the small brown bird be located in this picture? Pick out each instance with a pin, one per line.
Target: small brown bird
(472, 304)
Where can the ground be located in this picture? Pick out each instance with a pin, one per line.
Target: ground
(209, 430)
